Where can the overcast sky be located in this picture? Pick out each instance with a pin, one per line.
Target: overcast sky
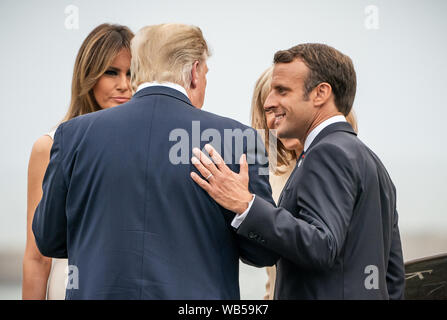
(398, 48)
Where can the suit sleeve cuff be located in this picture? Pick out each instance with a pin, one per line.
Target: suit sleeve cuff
(239, 218)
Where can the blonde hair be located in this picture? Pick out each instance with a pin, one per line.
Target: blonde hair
(166, 53)
(95, 56)
(352, 119)
(259, 121)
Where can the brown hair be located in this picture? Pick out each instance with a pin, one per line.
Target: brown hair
(325, 64)
(94, 58)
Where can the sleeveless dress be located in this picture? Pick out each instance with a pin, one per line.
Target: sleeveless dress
(59, 267)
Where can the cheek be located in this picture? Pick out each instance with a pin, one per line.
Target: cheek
(270, 119)
(103, 90)
(295, 108)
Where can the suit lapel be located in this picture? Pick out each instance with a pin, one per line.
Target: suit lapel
(334, 127)
(287, 184)
(338, 126)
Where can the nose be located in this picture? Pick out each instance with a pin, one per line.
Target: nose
(270, 103)
(123, 83)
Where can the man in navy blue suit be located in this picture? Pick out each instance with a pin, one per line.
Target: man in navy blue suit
(336, 224)
(118, 200)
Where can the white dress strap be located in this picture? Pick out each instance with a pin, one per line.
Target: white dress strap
(51, 134)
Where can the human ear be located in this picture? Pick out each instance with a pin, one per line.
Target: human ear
(322, 93)
(194, 75)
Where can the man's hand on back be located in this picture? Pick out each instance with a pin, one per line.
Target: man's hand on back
(227, 188)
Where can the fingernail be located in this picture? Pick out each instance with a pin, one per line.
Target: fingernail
(207, 147)
(194, 160)
(196, 151)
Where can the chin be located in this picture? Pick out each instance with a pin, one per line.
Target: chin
(281, 134)
(110, 106)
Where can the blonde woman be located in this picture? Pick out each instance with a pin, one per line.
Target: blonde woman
(288, 150)
(101, 79)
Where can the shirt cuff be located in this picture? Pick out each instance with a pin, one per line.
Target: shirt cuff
(239, 218)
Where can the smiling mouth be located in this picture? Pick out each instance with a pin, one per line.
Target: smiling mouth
(279, 116)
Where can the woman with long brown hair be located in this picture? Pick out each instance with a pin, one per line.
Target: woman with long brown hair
(101, 79)
(287, 150)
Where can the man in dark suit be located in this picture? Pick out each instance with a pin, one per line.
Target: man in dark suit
(336, 227)
(117, 197)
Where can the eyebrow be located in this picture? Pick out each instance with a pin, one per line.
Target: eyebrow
(279, 87)
(116, 69)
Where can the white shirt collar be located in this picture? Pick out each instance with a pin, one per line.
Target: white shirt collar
(171, 85)
(314, 133)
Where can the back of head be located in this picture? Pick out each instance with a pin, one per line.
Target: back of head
(166, 53)
(325, 64)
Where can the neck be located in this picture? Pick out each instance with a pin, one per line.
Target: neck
(298, 151)
(189, 94)
(192, 97)
(321, 117)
